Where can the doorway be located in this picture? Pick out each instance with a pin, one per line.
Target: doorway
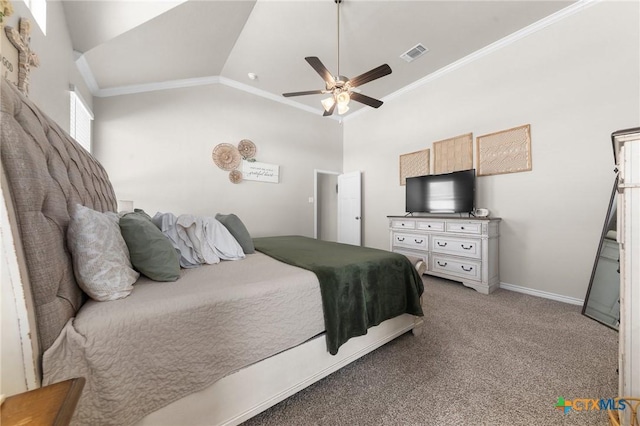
(325, 218)
(337, 207)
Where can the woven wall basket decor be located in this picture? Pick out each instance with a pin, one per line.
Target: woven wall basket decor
(226, 156)
(247, 149)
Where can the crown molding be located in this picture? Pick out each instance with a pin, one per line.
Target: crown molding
(87, 74)
(268, 95)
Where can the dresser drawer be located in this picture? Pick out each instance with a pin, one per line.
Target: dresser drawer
(429, 225)
(469, 269)
(418, 242)
(467, 247)
(403, 224)
(464, 227)
(412, 255)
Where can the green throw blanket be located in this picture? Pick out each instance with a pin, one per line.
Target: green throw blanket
(361, 287)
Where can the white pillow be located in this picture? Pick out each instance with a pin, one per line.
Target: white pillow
(100, 256)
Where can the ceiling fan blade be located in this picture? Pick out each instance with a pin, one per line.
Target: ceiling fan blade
(367, 100)
(320, 69)
(330, 112)
(308, 92)
(368, 76)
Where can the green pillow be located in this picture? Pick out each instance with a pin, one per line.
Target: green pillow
(235, 226)
(150, 251)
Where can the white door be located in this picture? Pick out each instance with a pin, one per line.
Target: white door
(349, 221)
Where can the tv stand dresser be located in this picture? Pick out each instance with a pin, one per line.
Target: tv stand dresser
(459, 249)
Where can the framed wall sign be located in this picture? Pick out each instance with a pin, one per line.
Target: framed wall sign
(262, 172)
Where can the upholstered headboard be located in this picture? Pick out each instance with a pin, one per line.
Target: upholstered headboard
(46, 173)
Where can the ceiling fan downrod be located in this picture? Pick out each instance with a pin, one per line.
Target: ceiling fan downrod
(338, 38)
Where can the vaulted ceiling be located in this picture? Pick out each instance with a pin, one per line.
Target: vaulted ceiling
(133, 43)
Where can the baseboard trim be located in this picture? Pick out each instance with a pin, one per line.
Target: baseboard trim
(543, 294)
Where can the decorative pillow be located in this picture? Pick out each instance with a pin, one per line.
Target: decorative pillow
(151, 252)
(100, 257)
(235, 226)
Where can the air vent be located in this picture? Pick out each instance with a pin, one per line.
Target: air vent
(414, 53)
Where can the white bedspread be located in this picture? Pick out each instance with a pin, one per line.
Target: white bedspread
(167, 340)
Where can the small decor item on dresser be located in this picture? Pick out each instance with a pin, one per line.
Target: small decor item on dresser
(481, 213)
(247, 149)
(226, 156)
(235, 176)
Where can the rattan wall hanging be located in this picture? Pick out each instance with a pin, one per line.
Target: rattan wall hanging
(507, 151)
(414, 164)
(229, 157)
(453, 154)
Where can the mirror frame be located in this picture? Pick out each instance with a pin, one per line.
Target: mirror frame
(595, 262)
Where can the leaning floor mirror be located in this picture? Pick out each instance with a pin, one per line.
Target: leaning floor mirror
(602, 302)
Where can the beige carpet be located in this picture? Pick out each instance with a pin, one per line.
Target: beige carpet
(502, 359)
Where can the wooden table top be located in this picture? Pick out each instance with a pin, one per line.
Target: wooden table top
(49, 405)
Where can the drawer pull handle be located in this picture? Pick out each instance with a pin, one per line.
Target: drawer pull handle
(466, 248)
(400, 238)
(462, 227)
(441, 264)
(428, 226)
(441, 245)
(467, 270)
(402, 224)
(419, 241)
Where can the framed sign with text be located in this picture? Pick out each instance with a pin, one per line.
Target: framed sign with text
(262, 172)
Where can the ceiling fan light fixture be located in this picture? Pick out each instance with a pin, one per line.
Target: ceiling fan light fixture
(343, 98)
(339, 86)
(328, 103)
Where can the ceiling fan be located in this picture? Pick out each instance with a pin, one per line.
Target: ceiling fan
(341, 87)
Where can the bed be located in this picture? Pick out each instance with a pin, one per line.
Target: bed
(219, 345)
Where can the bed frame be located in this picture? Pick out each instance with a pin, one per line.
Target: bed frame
(44, 174)
(247, 392)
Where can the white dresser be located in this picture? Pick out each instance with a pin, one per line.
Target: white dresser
(460, 249)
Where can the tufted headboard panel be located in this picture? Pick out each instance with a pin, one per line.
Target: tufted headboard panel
(47, 173)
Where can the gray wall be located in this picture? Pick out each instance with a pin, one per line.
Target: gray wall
(575, 82)
(157, 149)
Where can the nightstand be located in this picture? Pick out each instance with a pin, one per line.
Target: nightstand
(49, 405)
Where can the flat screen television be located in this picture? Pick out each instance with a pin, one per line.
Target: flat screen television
(446, 193)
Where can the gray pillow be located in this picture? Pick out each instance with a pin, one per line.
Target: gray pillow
(150, 251)
(100, 258)
(235, 226)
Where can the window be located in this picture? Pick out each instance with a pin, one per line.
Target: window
(80, 120)
(39, 11)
